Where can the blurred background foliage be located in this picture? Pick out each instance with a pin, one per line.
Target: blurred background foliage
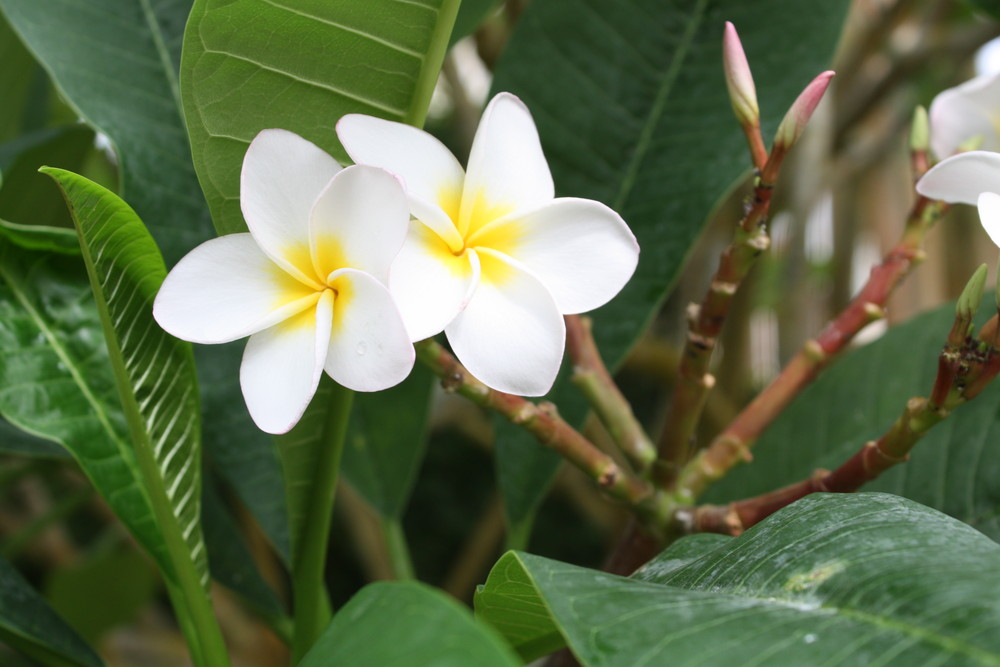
(840, 204)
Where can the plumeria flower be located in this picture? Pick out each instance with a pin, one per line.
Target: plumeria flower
(307, 284)
(493, 258)
(968, 178)
(965, 112)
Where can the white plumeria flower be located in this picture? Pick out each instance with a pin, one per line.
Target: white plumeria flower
(307, 284)
(965, 112)
(968, 178)
(493, 258)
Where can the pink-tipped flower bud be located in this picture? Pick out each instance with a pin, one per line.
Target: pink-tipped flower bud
(801, 111)
(739, 81)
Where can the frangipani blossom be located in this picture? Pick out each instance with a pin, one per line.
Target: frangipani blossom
(306, 284)
(493, 258)
(968, 178)
(965, 112)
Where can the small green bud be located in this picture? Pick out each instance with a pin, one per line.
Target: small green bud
(920, 132)
(968, 303)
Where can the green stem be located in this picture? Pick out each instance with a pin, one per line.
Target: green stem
(188, 593)
(433, 60)
(399, 551)
(311, 603)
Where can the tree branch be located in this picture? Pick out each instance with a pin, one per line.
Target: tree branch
(965, 367)
(594, 381)
(543, 421)
(734, 443)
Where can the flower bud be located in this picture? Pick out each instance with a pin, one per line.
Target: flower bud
(919, 130)
(800, 112)
(739, 80)
(972, 295)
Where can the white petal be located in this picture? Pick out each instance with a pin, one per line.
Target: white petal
(359, 221)
(283, 174)
(429, 283)
(225, 289)
(581, 250)
(511, 335)
(989, 215)
(966, 111)
(507, 169)
(430, 173)
(369, 349)
(961, 178)
(282, 366)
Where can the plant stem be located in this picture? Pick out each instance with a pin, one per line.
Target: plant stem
(546, 425)
(733, 444)
(591, 376)
(705, 322)
(964, 368)
(433, 59)
(188, 593)
(399, 551)
(311, 603)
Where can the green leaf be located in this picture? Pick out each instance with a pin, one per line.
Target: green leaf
(253, 65)
(154, 371)
(28, 624)
(833, 579)
(26, 196)
(16, 77)
(631, 105)
(244, 456)
(382, 455)
(955, 468)
(407, 623)
(115, 62)
(15, 441)
(230, 559)
(121, 577)
(55, 380)
(471, 15)
(43, 238)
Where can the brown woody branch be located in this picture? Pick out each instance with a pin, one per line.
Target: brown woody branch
(542, 421)
(734, 443)
(965, 367)
(591, 376)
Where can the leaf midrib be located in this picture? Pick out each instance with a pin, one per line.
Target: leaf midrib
(920, 632)
(63, 355)
(644, 142)
(161, 49)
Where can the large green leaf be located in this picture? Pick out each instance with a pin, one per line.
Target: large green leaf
(30, 625)
(955, 468)
(631, 105)
(55, 380)
(27, 196)
(853, 579)
(230, 559)
(115, 62)
(243, 455)
(15, 441)
(382, 454)
(16, 77)
(154, 371)
(257, 64)
(407, 623)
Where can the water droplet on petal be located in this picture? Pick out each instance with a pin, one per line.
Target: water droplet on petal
(361, 348)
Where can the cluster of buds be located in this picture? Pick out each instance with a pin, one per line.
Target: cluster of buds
(743, 96)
